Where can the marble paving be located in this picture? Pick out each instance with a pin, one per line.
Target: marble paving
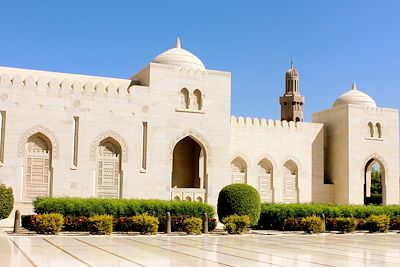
(206, 250)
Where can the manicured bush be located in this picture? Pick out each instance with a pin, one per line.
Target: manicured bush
(145, 224)
(118, 208)
(273, 215)
(76, 223)
(346, 225)
(292, 224)
(236, 224)
(48, 223)
(100, 224)
(395, 223)
(312, 225)
(6, 201)
(192, 225)
(378, 223)
(240, 199)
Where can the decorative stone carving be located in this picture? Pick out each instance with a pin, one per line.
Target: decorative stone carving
(38, 129)
(121, 141)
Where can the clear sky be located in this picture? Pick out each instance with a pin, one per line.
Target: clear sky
(332, 43)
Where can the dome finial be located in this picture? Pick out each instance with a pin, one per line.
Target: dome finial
(291, 63)
(354, 86)
(178, 42)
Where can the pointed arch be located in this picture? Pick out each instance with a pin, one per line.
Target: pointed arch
(38, 174)
(197, 100)
(45, 132)
(370, 130)
(238, 170)
(290, 182)
(118, 138)
(184, 100)
(367, 170)
(108, 172)
(265, 180)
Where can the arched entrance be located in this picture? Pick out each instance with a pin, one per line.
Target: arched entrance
(38, 170)
(188, 171)
(108, 169)
(374, 180)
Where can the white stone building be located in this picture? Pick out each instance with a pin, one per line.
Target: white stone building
(167, 133)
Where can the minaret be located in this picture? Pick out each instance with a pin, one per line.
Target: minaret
(292, 103)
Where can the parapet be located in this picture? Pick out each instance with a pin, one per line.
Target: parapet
(264, 123)
(64, 83)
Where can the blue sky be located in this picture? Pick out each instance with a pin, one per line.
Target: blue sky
(332, 43)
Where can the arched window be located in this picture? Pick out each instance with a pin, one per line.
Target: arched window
(238, 171)
(290, 182)
(109, 169)
(38, 167)
(184, 101)
(379, 129)
(197, 101)
(370, 129)
(265, 176)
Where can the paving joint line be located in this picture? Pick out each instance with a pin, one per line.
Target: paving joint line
(186, 254)
(70, 254)
(23, 253)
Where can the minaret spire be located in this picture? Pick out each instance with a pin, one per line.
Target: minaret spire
(292, 102)
(178, 42)
(354, 86)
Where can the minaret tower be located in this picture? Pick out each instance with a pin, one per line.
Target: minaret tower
(292, 103)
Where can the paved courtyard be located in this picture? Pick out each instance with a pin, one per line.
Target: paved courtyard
(162, 250)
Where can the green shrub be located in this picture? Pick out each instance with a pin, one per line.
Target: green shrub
(240, 199)
(212, 224)
(273, 215)
(236, 224)
(77, 207)
(346, 225)
(378, 223)
(6, 201)
(292, 224)
(48, 223)
(192, 225)
(100, 224)
(145, 224)
(395, 223)
(312, 225)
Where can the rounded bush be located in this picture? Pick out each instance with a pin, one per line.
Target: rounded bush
(192, 225)
(239, 199)
(236, 224)
(378, 223)
(101, 224)
(312, 225)
(49, 223)
(6, 201)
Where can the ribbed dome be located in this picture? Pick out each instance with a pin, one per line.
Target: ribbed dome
(355, 97)
(179, 57)
(292, 72)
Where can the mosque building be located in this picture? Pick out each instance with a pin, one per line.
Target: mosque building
(167, 133)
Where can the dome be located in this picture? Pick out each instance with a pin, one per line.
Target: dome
(179, 57)
(292, 72)
(355, 97)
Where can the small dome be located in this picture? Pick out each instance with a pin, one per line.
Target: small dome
(292, 72)
(179, 57)
(355, 97)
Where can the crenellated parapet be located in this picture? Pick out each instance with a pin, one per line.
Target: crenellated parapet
(264, 123)
(64, 84)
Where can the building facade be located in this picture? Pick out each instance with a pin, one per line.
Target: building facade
(167, 133)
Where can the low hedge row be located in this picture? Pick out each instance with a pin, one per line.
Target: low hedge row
(87, 207)
(122, 224)
(273, 215)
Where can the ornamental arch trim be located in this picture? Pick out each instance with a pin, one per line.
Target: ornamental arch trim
(118, 138)
(34, 130)
(196, 136)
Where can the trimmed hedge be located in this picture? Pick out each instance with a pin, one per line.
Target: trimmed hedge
(86, 207)
(6, 201)
(48, 223)
(236, 224)
(239, 199)
(312, 225)
(100, 224)
(378, 223)
(145, 224)
(192, 225)
(274, 215)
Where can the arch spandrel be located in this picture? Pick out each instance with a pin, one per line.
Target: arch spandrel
(34, 130)
(109, 134)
